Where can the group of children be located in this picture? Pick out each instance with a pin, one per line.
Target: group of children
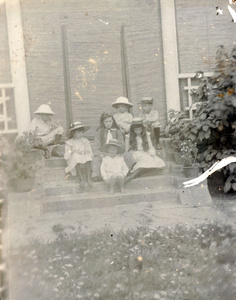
(121, 149)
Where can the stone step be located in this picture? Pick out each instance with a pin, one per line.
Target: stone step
(71, 187)
(51, 174)
(104, 199)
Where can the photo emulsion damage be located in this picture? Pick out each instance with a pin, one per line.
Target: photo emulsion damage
(117, 149)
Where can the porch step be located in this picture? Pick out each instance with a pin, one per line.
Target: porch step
(52, 174)
(100, 199)
(71, 187)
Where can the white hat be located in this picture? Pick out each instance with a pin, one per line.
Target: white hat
(78, 125)
(44, 109)
(122, 100)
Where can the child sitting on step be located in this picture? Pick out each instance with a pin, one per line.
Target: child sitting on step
(78, 154)
(113, 167)
(150, 119)
(123, 118)
(108, 130)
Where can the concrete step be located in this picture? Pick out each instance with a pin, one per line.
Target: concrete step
(51, 174)
(71, 187)
(104, 199)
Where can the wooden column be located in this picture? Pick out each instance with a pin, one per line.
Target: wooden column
(66, 73)
(18, 64)
(170, 54)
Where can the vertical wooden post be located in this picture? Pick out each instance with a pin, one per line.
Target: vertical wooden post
(124, 65)
(18, 65)
(66, 73)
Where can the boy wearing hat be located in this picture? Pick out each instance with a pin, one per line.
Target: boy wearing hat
(49, 133)
(150, 119)
(113, 167)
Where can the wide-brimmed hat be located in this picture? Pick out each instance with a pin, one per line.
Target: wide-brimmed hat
(78, 125)
(122, 100)
(147, 100)
(44, 109)
(137, 122)
(113, 142)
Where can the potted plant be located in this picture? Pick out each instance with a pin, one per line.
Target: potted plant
(189, 154)
(18, 167)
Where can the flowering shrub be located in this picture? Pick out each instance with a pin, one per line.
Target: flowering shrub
(189, 152)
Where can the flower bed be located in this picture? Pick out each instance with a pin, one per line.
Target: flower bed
(167, 263)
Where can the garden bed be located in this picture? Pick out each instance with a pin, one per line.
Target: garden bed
(167, 263)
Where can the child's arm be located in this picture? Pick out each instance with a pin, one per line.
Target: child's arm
(153, 116)
(89, 148)
(97, 144)
(68, 151)
(120, 138)
(124, 168)
(151, 149)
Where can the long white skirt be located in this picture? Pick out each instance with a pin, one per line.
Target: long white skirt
(144, 160)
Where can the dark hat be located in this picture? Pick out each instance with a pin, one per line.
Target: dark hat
(147, 100)
(113, 142)
(78, 125)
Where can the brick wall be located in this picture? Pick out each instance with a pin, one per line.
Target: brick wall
(200, 31)
(5, 76)
(94, 54)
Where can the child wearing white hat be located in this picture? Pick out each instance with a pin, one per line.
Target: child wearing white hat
(49, 132)
(123, 118)
(78, 154)
(113, 167)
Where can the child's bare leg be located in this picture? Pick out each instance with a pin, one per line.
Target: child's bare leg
(89, 173)
(112, 183)
(120, 180)
(80, 173)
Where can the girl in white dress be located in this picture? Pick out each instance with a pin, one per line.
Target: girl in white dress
(113, 167)
(123, 118)
(143, 153)
(78, 154)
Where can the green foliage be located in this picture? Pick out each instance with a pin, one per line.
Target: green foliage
(214, 119)
(15, 158)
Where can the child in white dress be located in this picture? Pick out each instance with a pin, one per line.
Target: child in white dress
(78, 154)
(140, 147)
(113, 167)
(123, 118)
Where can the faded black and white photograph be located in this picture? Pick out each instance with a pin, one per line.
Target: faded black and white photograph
(118, 149)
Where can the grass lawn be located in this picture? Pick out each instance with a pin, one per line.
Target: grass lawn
(166, 263)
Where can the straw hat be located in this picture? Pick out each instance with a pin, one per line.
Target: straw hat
(113, 142)
(78, 125)
(137, 122)
(44, 109)
(147, 100)
(122, 100)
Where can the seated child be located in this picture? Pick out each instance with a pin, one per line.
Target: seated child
(140, 147)
(48, 132)
(108, 130)
(150, 119)
(78, 154)
(113, 167)
(123, 118)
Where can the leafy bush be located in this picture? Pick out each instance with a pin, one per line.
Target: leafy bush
(214, 119)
